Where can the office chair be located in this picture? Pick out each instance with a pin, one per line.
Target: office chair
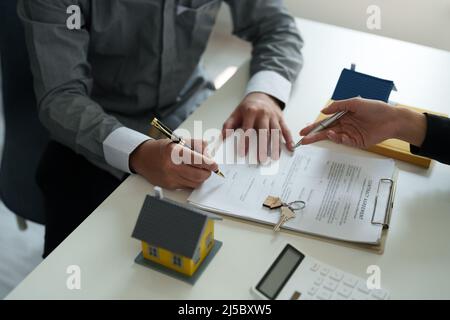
(25, 137)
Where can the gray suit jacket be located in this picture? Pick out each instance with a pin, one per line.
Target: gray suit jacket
(136, 59)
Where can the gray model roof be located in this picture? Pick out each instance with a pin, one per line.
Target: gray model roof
(170, 225)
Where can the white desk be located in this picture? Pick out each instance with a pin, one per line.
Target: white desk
(416, 263)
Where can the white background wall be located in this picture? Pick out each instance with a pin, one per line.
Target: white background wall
(425, 22)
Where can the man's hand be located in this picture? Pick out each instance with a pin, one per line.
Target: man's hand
(261, 112)
(369, 122)
(172, 166)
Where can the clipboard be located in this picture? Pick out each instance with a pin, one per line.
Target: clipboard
(387, 188)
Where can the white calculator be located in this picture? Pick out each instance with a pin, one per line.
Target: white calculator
(294, 276)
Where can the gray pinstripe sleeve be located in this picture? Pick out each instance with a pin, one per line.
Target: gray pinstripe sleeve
(277, 44)
(63, 82)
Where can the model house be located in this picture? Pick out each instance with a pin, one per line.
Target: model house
(175, 236)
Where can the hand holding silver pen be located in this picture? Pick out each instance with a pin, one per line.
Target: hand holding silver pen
(324, 125)
(361, 123)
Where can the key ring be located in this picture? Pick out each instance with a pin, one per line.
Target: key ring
(296, 205)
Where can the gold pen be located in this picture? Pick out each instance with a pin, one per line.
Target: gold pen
(172, 136)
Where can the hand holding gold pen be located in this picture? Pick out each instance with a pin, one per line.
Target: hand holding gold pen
(168, 133)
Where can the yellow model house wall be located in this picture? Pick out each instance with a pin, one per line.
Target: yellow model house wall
(188, 267)
(204, 249)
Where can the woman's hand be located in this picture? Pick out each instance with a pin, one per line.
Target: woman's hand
(369, 122)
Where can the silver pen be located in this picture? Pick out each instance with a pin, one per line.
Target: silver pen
(323, 125)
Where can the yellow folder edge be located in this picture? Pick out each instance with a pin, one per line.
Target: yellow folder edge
(397, 149)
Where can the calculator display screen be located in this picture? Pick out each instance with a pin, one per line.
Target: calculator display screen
(280, 272)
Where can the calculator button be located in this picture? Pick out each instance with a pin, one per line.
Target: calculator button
(330, 285)
(336, 275)
(379, 294)
(324, 271)
(324, 295)
(345, 291)
(318, 281)
(350, 281)
(362, 287)
(312, 291)
(315, 267)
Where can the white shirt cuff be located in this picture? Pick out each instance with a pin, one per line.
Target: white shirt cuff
(271, 83)
(119, 145)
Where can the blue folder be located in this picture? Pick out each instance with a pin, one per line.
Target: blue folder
(354, 84)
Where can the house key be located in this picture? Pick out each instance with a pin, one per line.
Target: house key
(286, 215)
(287, 209)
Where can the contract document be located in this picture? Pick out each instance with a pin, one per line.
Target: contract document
(339, 190)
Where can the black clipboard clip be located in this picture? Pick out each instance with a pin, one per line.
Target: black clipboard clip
(390, 203)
